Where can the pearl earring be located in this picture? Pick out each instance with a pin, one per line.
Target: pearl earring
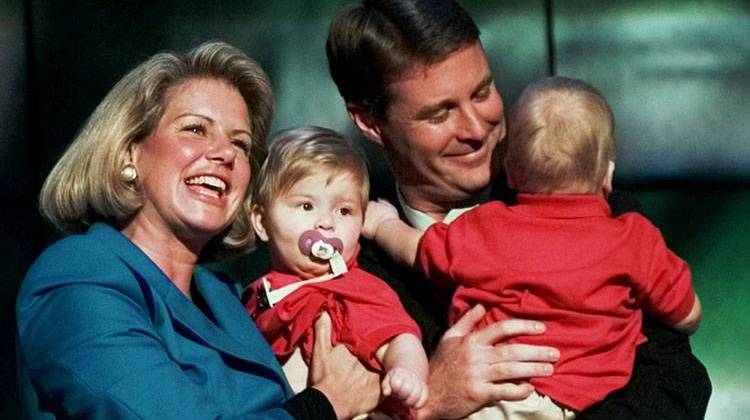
(128, 173)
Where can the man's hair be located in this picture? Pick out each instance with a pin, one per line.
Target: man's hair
(561, 137)
(298, 153)
(375, 42)
(86, 185)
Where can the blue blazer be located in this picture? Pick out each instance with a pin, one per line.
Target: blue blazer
(104, 334)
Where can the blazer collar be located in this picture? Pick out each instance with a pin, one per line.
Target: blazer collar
(233, 333)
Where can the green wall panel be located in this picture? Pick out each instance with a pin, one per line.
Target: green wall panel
(710, 229)
(675, 73)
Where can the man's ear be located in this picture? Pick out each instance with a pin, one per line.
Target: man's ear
(365, 122)
(607, 182)
(509, 178)
(256, 218)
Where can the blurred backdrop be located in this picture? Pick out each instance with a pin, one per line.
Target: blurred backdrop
(677, 74)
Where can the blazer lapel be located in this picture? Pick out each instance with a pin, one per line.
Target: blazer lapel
(232, 318)
(235, 334)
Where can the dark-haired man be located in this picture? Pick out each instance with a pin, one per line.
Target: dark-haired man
(416, 81)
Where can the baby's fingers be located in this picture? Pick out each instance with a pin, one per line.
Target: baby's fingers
(423, 396)
(385, 386)
(407, 387)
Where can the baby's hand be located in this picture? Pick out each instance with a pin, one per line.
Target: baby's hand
(406, 386)
(377, 213)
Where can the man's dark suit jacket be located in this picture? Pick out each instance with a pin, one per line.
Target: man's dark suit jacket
(668, 381)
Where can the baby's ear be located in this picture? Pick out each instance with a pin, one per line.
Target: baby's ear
(607, 182)
(256, 217)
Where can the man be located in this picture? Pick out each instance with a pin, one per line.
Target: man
(416, 81)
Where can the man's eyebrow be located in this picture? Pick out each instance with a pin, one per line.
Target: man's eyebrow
(484, 83)
(431, 110)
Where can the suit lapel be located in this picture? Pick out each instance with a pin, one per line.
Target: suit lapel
(234, 334)
(231, 317)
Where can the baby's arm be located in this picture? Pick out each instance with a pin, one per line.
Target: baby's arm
(666, 287)
(406, 368)
(690, 323)
(398, 239)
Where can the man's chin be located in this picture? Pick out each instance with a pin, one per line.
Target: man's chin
(468, 187)
(453, 193)
(463, 195)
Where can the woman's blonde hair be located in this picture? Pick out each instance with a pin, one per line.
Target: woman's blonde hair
(297, 153)
(560, 137)
(86, 185)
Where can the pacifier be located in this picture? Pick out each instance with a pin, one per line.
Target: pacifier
(312, 243)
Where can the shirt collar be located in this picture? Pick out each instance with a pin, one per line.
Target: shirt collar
(282, 278)
(562, 206)
(422, 221)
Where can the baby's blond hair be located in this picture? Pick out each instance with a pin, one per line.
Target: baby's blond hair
(297, 153)
(560, 139)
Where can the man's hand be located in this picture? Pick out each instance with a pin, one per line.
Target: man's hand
(470, 369)
(349, 386)
(377, 212)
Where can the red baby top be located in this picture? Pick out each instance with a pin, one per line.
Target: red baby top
(365, 313)
(563, 260)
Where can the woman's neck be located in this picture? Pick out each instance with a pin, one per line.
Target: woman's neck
(173, 257)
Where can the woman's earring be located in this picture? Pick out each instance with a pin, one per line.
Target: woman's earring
(128, 173)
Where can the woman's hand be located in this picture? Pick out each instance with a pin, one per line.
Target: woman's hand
(348, 385)
(470, 369)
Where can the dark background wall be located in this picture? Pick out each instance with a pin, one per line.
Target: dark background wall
(675, 73)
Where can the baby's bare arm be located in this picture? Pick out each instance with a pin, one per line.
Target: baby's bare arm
(383, 226)
(406, 367)
(690, 323)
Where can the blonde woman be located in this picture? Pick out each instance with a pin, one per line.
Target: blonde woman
(118, 320)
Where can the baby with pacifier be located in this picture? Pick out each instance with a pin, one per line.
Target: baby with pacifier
(309, 201)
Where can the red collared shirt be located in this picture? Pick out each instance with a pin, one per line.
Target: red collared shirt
(563, 260)
(365, 314)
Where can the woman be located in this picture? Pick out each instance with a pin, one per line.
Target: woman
(119, 321)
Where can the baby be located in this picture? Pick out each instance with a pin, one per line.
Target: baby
(308, 207)
(556, 256)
